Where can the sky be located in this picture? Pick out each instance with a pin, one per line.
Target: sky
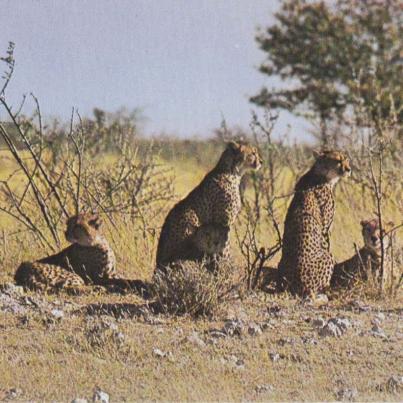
(187, 64)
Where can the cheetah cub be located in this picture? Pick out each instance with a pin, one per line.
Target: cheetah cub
(199, 225)
(367, 260)
(89, 260)
(306, 263)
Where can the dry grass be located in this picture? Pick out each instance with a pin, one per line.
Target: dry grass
(108, 341)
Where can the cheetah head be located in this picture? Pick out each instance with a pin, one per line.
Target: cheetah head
(83, 229)
(332, 165)
(372, 234)
(241, 157)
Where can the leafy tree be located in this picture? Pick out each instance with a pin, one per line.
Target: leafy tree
(332, 54)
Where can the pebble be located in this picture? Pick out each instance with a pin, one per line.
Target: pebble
(233, 327)
(264, 388)
(159, 353)
(394, 384)
(376, 331)
(346, 394)
(254, 329)
(57, 313)
(335, 327)
(100, 396)
(274, 357)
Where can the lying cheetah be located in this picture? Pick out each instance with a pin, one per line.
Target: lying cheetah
(199, 225)
(306, 264)
(367, 259)
(89, 260)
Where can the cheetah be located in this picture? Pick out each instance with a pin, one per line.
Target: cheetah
(199, 225)
(367, 260)
(88, 260)
(307, 264)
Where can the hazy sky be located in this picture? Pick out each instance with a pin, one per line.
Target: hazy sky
(186, 63)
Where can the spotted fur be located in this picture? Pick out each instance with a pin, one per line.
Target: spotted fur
(307, 264)
(88, 260)
(191, 227)
(367, 260)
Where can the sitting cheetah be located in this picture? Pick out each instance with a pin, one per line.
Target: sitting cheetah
(89, 260)
(306, 264)
(367, 259)
(199, 225)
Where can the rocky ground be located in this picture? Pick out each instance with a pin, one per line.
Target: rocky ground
(114, 348)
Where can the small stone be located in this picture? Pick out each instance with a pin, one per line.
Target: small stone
(159, 353)
(267, 325)
(254, 329)
(100, 396)
(275, 310)
(13, 393)
(119, 337)
(274, 357)
(233, 327)
(195, 339)
(342, 323)
(57, 313)
(287, 340)
(346, 394)
(330, 329)
(264, 388)
(309, 340)
(335, 327)
(380, 316)
(394, 384)
(239, 363)
(318, 322)
(110, 325)
(376, 331)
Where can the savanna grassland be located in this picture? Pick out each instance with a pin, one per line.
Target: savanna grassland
(257, 347)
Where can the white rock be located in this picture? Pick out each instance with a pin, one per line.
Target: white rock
(346, 394)
(233, 327)
(100, 396)
(380, 316)
(376, 331)
(159, 353)
(57, 313)
(335, 327)
(394, 384)
(342, 323)
(264, 388)
(254, 329)
(330, 329)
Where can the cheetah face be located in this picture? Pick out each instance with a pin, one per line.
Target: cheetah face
(372, 235)
(245, 156)
(83, 229)
(332, 165)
